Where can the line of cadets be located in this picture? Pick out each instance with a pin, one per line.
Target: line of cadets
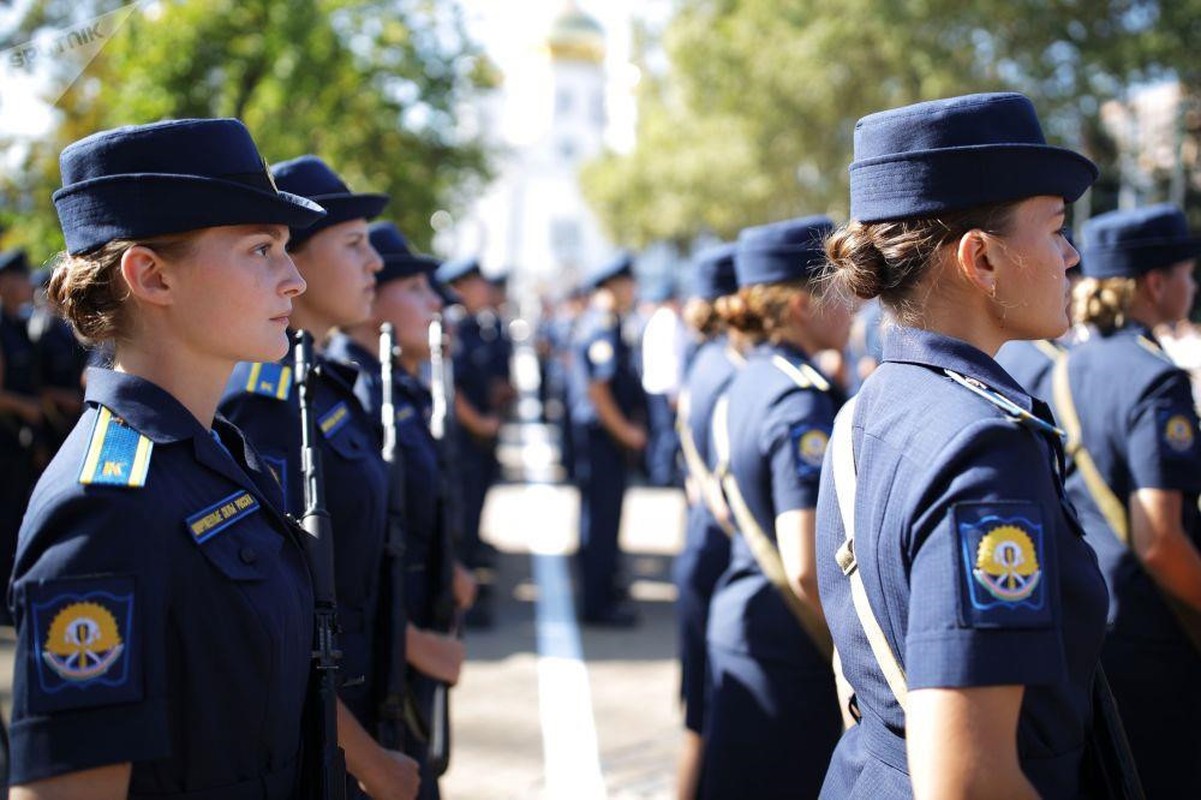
(358, 275)
(759, 692)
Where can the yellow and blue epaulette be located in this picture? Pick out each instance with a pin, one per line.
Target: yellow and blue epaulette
(269, 379)
(117, 455)
(801, 374)
(1015, 412)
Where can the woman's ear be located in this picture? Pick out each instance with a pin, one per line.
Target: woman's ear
(800, 307)
(976, 262)
(142, 269)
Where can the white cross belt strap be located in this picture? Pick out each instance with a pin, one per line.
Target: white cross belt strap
(845, 482)
(762, 547)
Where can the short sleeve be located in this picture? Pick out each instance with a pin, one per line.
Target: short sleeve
(797, 432)
(1163, 451)
(600, 354)
(89, 600)
(984, 570)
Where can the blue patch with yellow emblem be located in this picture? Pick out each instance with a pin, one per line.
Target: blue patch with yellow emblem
(85, 643)
(809, 444)
(1003, 556)
(1177, 432)
(211, 520)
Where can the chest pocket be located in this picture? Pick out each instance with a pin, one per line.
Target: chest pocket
(350, 442)
(244, 551)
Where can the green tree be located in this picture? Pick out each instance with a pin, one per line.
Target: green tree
(372, 88)
(753, 118)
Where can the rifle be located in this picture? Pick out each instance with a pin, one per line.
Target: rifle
(392, 704)
(445, 613)
(324, 774)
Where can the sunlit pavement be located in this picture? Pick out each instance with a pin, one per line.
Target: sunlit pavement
(631, 675)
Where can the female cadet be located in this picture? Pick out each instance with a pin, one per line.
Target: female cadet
(967, 609)
(338, 263)
(1132, 433)
(404, 298)
(772, 711)
(706, 550)
(163, 606)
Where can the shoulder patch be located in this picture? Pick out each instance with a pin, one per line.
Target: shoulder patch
(211, 520)
(269, 379)
(809, 444)
(1176, 432)
(1003, 556)
(332, 421)
(600, 352)
(117, 455)
(84, 650)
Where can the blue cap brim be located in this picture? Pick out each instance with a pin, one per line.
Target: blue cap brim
(100, 209)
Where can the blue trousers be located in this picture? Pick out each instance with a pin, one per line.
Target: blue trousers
(663, 443)
(601, 474)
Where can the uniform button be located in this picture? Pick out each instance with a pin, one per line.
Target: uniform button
(248, 555)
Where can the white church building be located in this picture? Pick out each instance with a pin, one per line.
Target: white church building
(546, 121)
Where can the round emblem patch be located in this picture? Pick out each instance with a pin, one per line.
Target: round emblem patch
(811, 447)
(600, 352)
(1178, 433)
(83, 642)
(1006, 564)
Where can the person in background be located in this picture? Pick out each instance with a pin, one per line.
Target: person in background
(21, 417)
(406, 299)
(706, 550)
(772, 709)
(604, 393)
(664, 341)
(1135, 477)
(60, 362)
(338, 263)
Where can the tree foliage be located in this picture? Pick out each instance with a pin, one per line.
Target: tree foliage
(753, 119)
(371, 87)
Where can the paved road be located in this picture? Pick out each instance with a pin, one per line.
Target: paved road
(624, 688)
(613, 715)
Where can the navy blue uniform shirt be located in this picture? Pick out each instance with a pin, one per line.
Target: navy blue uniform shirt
(973, 562)
(262, 401)
(600, 353)
(778, 437)
(1139, 424)
(164, 610)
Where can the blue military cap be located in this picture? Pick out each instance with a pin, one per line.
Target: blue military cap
(169, 177)
(659, 291)
(448, 295)
(714, 275)
(309, 176)
(399, 259)
(948, 155)
(620, 266)
(1132, 243)
(14, 261)
(782, 251)
(458, 269)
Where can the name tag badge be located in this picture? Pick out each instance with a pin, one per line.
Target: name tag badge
(209, 521)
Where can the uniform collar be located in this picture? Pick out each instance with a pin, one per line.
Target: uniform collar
(1135, 329)
(789, 351)
(343, 348)
(149, 409)
(916, 346)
